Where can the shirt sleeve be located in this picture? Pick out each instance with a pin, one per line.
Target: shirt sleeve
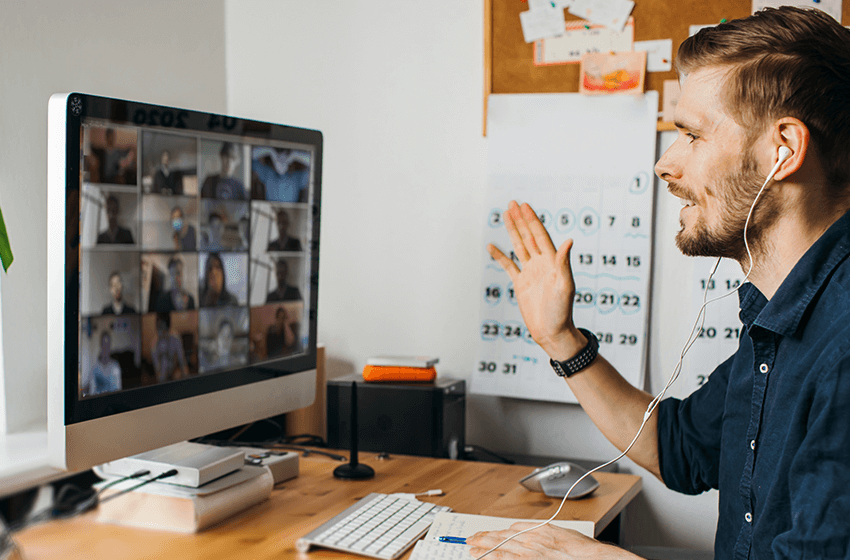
(689, 432)
(820, 471)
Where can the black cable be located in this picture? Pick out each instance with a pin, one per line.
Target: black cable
(271, 445)
(64, 507)
(478, 448)
(166, 474)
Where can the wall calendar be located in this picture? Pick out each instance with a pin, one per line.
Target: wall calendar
(585, 164)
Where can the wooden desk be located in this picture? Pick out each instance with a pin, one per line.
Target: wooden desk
(270, 529)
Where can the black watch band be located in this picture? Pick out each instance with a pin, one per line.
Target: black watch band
(581, 360)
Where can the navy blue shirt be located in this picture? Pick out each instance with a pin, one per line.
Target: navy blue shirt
(771, 427)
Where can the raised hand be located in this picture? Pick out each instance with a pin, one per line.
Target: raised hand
(543, 282)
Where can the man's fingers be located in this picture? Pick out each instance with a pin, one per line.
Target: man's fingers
(516, 238)
(520, 222)
(506, 263)
(537, 230)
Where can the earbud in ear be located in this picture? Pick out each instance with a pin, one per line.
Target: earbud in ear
(784, 153)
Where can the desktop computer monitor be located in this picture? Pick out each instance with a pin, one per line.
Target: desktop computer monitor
(183, 252)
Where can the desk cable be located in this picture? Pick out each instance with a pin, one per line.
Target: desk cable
(72, 500)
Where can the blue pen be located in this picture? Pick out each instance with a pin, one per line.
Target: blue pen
(453, 540)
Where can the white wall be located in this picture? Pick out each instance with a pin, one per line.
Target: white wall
(396, 88)
(170, 53)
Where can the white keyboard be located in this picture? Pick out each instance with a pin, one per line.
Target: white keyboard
(378, 525)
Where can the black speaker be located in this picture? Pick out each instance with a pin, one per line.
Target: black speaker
(425, 419)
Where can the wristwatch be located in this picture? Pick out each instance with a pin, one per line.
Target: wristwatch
(581, 360)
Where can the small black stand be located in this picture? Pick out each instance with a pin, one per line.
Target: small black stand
(353, 469)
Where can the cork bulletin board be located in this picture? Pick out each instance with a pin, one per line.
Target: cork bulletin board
(508, 59)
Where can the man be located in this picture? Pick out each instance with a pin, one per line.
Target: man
(283, 291)
(116, 290)
(175, 298)
(169, 358)
(166, 181)
(225, 185)
(184, 234)
(770, 427)
(283, 242)
(114, 233)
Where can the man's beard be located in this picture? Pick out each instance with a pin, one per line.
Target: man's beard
(737, 191)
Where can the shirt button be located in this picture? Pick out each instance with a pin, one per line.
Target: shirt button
(753, 445)
(763, 368)
(749, 517)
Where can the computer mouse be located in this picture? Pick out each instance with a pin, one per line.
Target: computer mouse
(556, 479)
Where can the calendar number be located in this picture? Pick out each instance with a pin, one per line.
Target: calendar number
(487, 366)
(490, 330)
(495, 218)
(493, 294)
(628, 339)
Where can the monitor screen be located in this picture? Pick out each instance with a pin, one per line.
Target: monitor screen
(183, 249)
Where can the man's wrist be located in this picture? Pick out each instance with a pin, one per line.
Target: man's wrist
(565, 345)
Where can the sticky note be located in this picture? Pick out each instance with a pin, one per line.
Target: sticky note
(542, 23)
(659, 54)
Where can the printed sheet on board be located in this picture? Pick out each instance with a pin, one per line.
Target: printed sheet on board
(585, 164)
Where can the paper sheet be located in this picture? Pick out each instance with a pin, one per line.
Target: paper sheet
(466, 525)
(610, 13)
(659, 54)
(541, 23)
(582, 37)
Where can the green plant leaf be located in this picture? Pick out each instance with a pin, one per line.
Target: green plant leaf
(6, 256)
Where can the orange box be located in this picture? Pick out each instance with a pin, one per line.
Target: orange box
(398, 373)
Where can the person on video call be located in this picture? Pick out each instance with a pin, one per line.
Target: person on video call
(220, 352)
(283, 174)
(184, 235)
(114, 233)
(280, 336)
(169, 358)
(116, 291)
(213, 238)
(214, 289)
(165, 180)
(118, 163)
(771, 427)
(106, 373)
(225, 185)
(176, 298)
(283, 242)
(283, 291)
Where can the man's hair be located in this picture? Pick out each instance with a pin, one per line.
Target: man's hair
(783, 62)
(113, 274)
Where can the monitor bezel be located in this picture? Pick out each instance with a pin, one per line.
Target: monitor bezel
(79, 107)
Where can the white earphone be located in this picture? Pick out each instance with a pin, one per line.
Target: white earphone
(784, 153)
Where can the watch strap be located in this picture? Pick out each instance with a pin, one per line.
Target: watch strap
(581, 360)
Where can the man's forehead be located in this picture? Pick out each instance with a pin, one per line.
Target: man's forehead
(701, 107)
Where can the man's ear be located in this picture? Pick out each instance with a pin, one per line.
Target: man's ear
(793, 134)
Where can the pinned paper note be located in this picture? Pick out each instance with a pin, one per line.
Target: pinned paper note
(582, 37)
(610, 13)
(832, 7)
(659, 54)
(694, 29)
(542, 23)
(672, 91)
(622, 72)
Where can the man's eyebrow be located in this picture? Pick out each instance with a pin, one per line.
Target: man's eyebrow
(681, 125)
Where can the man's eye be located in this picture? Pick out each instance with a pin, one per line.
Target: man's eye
(691, 136)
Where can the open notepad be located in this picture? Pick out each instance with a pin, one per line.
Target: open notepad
(466, 525)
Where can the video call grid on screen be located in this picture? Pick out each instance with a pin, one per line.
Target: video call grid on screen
(195, 254)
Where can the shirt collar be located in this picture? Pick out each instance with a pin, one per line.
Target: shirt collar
(782, 313)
